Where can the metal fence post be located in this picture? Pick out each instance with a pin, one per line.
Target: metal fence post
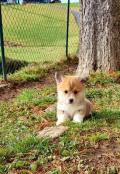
(2, 47)
(67, 27)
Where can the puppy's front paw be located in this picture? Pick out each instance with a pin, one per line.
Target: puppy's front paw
(77, 121)
(58, 123)
(78, 118)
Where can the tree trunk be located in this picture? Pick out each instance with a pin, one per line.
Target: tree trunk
(99, 36)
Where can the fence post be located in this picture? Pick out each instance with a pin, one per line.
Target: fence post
(67, 27)
(2, 47)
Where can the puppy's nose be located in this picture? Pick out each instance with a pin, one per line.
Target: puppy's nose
(71, 100)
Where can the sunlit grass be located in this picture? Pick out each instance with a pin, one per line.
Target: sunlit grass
(22, 118)
(37, 32)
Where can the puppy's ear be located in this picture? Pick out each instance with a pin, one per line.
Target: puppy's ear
(58, 77)
(84, 80)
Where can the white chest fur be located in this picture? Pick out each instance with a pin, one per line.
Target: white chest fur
(70, 109)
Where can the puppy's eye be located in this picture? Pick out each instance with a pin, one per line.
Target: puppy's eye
(66, 91)
(75, 92)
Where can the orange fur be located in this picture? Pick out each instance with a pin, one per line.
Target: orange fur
(71, 87)
(71, 83)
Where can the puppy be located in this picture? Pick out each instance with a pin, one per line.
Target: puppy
(71, 103)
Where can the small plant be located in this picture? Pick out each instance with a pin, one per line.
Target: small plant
(3, 169)
(101, 78)
(98, 137)
(54, 171)
(68, 146)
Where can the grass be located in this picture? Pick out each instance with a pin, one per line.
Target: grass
(21, 149)
(98, 137)
(34, 72)
(36, 98)
(37, 32)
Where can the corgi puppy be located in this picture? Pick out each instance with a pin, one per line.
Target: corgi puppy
(71, 103)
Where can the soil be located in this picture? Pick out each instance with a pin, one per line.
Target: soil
(13, 88)
(105, 154)
(12, 44)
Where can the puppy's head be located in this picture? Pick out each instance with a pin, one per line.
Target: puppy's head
(70, 89)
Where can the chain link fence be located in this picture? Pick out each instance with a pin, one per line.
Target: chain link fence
(35, 32)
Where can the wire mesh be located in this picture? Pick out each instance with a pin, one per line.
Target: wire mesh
(36, 32)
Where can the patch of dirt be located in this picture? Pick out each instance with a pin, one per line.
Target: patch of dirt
(12, 44)
(14, 88)
(101, 158)
(44, 124)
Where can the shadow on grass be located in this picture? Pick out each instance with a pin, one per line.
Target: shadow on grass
(13, 65)
(110, 116)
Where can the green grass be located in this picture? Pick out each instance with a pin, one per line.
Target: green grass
(38, 31)
(21, 119)
(29, 73)
(36, 98)
(34, 71)
(99, 137)
(18, 137)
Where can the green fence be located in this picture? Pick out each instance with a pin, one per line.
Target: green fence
(36, 32)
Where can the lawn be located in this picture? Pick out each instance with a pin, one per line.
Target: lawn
(92, 147)
(37, 32)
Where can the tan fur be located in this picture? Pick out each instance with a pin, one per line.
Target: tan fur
(71, 83)
(81, 107)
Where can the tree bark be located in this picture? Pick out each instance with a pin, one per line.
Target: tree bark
(99, 36)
